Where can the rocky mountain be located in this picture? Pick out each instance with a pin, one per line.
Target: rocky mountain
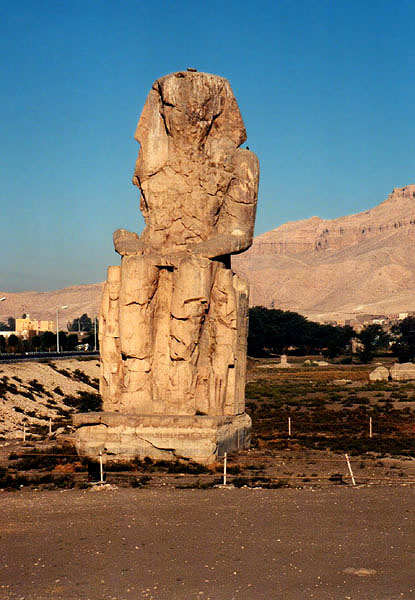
(326, 269)
(358, 264)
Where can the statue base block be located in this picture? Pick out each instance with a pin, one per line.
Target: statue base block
(123, 437)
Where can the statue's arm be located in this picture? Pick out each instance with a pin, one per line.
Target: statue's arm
(235, 227)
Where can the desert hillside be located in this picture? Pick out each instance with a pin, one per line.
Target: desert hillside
(79, 299)
(362, 263)
(35, 392)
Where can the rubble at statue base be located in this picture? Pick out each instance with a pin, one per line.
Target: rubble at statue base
(174, 317)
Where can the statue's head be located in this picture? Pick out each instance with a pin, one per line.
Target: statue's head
(196, 105)
(182, 112)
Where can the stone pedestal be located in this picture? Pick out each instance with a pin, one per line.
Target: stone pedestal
(122, 437)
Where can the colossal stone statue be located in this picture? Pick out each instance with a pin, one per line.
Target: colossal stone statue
(173, 321)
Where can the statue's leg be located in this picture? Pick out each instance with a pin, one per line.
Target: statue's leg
(192, 283)
(109, 341)
(222, 363)
(139, 277)
(236, 399)
(161, 365)
(223, 327)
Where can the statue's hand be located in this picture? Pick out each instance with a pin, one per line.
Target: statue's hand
(172, 260)
(127, 242)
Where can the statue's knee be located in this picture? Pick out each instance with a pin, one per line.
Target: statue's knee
(191, 287)
(139, 280)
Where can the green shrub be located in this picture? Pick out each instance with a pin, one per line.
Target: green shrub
(84, 378)
(139, 482)
(241, 482)
(84, 402)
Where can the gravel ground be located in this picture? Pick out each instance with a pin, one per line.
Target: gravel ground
(222, 544)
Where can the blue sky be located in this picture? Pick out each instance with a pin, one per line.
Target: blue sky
(326, 90)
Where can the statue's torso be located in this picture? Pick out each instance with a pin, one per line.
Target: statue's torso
(182, 206)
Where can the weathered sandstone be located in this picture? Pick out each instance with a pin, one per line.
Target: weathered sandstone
(379, 374)
(402, 371)
(173, 321)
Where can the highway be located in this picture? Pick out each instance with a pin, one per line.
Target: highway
(8, 357)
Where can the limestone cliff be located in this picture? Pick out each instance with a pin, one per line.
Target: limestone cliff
(361, 263)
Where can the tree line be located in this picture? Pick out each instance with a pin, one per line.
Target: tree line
(273, 331)
(10, 325)
(47, 341)
(44, 342)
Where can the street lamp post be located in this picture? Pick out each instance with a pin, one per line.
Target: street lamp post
(2, 300)
(57, 325)
(95, 333)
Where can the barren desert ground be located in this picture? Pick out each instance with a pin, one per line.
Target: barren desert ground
(146, 536)
(218, 544)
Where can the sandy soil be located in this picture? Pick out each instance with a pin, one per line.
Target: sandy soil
(342, 543)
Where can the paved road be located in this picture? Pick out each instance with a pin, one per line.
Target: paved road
(167, 544)
(6, 358)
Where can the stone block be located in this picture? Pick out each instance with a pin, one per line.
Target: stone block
(402, 371)
(379, 374)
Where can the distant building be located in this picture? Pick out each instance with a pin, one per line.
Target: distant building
(28, 327)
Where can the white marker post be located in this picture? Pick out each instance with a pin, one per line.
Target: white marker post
(289, 426)
(224, 467)
(350, 470)
(101, 468)
(50, 425)
(370, 427)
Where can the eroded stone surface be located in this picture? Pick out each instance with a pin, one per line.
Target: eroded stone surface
(124, 437)
(402, 371)
(379, 374)
(173, 323)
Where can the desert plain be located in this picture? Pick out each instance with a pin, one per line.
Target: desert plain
(218, 544)
(292, 527)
